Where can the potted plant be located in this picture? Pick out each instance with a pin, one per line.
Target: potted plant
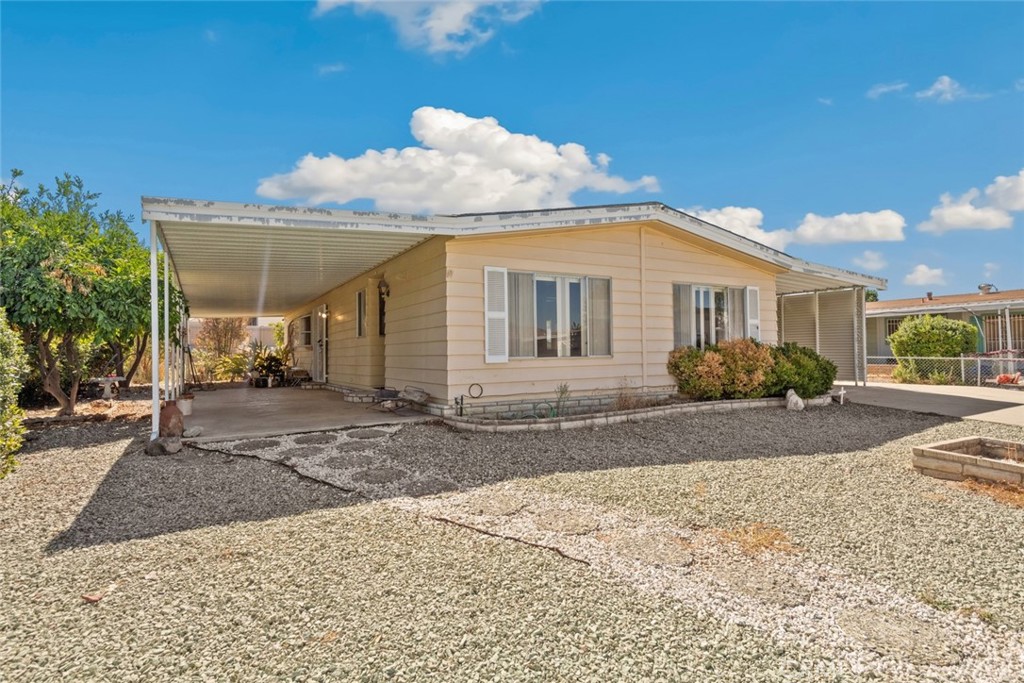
(266, 366)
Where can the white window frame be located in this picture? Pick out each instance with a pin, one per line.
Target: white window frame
(361, 313)
(563, 328)
(752, 315)
(304, 330)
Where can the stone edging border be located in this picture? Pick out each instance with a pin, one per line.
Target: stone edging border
(469, 424)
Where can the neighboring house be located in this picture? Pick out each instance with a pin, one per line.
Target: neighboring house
(518, 303)
(999, 316)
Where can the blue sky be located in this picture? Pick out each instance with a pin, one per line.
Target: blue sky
(829, 130)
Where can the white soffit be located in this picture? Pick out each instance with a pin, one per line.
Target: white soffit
(243, 270)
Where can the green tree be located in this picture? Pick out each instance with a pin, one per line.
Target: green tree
(871, 295)
(71, 279)
(13, 365)
(933, 336)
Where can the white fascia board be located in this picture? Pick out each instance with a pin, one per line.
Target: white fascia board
(163, 209)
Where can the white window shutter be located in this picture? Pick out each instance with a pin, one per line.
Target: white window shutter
(754, 313)
(495, 315)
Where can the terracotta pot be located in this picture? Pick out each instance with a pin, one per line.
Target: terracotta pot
(172, 422)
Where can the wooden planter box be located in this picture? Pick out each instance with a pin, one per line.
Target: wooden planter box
(975, 458)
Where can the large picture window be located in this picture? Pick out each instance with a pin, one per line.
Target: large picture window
(704, 315)
(549, 316)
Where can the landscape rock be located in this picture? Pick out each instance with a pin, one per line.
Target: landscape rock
(793, 402)
(164, 445)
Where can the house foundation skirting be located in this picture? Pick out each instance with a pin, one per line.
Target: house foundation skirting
(480, 424)
(572, 413)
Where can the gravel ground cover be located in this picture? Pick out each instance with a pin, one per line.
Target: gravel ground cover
(585, 555)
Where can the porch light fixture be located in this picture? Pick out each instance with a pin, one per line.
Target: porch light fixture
(384, 288)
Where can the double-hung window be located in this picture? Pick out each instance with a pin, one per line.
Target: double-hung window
(704, 315)
(541, 315)
(305, 331)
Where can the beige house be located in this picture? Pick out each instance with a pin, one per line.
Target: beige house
(516, 303)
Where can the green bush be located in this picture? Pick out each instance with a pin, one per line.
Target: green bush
(13, 366)
(933, 336)
(736, 369)
(801, 369)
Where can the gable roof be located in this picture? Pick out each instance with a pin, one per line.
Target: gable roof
(252, 259)
(977, 301)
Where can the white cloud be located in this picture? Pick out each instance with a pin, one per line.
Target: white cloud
(962, 214)
(827, 101)
(465, 164)
(871, 260)
(1007, 192)
(879, 89)
(328, 69)
(946, 90)
(211, 36)
(971, 212)
(744, 221)
(989, 270)
(922, 276)
(869, 226)
(1018, 85)
(452, 26)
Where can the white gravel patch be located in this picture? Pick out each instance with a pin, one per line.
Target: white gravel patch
(791, 598)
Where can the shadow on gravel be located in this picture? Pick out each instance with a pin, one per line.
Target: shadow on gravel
(477, 458)
(143, 496)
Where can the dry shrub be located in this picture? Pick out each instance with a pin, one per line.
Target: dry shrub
(756, 538)
(627, 397)
(1008, 494)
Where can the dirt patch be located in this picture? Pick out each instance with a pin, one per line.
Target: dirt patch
(1008, 494)
(757, 537)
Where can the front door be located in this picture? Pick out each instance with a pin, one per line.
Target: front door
(320, 319)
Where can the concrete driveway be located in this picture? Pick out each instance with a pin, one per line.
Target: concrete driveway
(247, 412)
(989, 404)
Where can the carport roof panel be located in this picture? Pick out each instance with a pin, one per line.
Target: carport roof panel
(243, 269)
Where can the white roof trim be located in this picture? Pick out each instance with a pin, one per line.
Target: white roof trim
(288, 217)
(943, 308)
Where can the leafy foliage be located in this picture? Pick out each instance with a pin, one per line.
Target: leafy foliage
(72, 279)
(13, 366)
(745, 368)
(933, 336)
(801, 369)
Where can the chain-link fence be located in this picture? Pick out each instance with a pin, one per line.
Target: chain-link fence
(976, 370)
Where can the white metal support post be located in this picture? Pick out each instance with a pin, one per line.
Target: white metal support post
(154, 332)
(167, 325)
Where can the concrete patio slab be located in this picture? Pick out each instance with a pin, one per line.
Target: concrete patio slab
(247, 412)
(988, 404)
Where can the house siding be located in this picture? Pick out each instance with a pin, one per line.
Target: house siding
(642, 260)
(414, 347)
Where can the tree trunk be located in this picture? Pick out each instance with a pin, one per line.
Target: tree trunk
(140, 350)
(71, 353)
(117, 348)
(49, 370)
